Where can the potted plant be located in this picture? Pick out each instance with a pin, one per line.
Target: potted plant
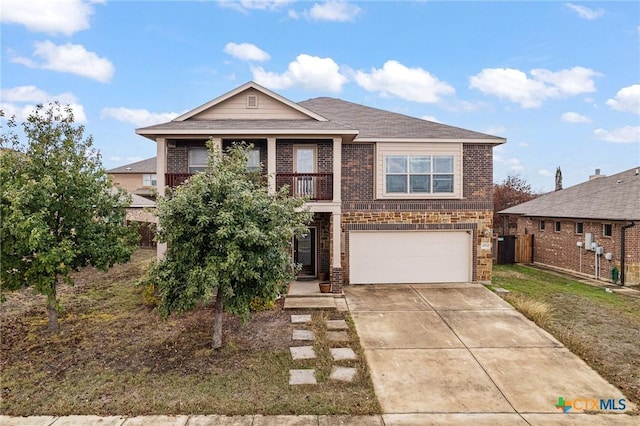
(325, 287)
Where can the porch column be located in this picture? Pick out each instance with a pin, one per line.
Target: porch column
(217, 144)
(161, 169)
(271, 164)
(337, 172)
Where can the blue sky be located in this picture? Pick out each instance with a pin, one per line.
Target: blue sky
(559, 80)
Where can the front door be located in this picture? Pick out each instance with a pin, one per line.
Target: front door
(305, 253)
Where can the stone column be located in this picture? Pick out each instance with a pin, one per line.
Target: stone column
(336, 253)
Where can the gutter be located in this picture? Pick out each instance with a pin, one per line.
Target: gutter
(622, 253)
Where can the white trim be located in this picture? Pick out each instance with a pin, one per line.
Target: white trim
(240, 89)
(497, 141)
(300, 133)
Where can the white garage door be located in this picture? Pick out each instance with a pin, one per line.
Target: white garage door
(386, 257)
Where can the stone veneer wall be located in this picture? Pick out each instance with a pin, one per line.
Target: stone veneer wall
(560, 250)
(474, 221)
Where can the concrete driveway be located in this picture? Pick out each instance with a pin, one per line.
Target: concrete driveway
(458, 353)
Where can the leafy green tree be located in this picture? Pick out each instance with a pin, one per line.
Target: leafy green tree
(513, 190)
(59, 210)
(226, 235)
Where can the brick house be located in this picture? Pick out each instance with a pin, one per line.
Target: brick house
(589, 228)
(396, 199)
(137, 178)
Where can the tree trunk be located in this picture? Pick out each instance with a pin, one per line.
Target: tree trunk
(52, 309)
(217, 319)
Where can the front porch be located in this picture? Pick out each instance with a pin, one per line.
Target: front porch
(306, 295)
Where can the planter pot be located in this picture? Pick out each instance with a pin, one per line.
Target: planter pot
(323, 276)
(325, 287)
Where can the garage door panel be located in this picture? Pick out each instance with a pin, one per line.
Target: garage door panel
(381, 257)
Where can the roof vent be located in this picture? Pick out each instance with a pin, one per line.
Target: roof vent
(252, 101)
(597, 175)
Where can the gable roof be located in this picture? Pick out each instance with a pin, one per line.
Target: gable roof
(326, 116)
(615, 197)
(374, 124)
(144, 166)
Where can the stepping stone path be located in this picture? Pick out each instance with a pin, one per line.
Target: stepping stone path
(336, 333)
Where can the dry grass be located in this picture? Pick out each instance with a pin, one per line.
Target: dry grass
(115, 356)
(537, 311)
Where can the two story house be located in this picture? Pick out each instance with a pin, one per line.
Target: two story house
(396, 199)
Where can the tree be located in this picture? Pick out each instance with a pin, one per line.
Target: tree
(513, 190)
(59, 210)
(225, 235)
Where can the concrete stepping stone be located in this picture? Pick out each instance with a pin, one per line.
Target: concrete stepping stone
(303, 335)
(343, 374)
(302, 377)
(343, 354)
(300, 319)
(302, 352)
(337, 336)
(337, 325)
(341, 305)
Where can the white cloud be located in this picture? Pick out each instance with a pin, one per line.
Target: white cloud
(523, 144)
(626, 134)
(21, 101)
(337, 11)
(574, 117)
(545, 172)
(307, 72)
(585, 12)
(627, 99)
(511, 163)
(514, 85)
(48, 16)
(411, 84)
(71, 58)
(245, 5)
(246, 52)
(430, 118)
(138, 117)
(496, 130)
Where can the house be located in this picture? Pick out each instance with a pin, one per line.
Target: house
(589, 228)
(137, 178)
(396, 199)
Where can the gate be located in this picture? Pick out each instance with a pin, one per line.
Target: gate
(506, 249)
(524, 248)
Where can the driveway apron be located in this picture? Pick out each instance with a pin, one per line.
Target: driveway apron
(458, 353)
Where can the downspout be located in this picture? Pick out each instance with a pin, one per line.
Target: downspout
(622, 253)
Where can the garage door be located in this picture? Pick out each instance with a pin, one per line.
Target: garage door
(386, 257)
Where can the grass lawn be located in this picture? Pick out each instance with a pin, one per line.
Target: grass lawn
(602, 328)
(115, 356)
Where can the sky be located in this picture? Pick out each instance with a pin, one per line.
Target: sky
(559, 80)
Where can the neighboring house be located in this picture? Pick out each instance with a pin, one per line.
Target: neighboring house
(589, 228)
(137, 178)
(396, 199)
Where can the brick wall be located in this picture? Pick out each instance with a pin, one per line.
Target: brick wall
(357, 172)
(559, 249)
(284, 154)
(477, 165)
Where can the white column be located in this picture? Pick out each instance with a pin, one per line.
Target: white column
(336, 261)
(271, 164)
(161, 169)
(217, 143)
(337, 170)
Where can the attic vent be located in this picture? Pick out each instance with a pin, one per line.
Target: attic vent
(252, 101)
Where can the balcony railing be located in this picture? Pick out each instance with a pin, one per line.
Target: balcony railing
(315, 186)
(174, 179)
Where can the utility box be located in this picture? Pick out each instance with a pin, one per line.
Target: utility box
(588, 241)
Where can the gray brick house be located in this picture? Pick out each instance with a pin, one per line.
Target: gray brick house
(589, 228)
(396, 199)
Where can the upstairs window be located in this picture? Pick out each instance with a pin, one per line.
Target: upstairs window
(541, 225)
(149, 179)
(253, 160)
(198, 159)
(579, 228)
(607, 230)
(419, 174)
(557, 226)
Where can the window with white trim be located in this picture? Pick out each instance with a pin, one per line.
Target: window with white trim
(607, 229)
(579, 228)
(253, 160)
(150, 179)
(419, 174)
(198, 159)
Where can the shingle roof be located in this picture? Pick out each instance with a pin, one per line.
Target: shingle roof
(141, 202)
(144, 166)
(373, 123)
(615, 197)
